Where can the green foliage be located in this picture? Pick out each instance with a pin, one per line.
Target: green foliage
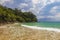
(15, 15)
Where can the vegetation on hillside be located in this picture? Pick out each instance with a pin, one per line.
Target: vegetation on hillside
(15, 15)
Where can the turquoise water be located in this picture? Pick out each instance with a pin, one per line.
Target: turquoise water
(45, 24)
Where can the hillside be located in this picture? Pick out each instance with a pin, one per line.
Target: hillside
(15, 15)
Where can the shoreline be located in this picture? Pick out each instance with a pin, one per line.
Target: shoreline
(42, 28)
(24, 32)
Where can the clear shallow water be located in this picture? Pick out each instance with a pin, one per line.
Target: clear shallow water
(45, 24)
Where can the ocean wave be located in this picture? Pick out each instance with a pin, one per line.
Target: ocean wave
(42, 28)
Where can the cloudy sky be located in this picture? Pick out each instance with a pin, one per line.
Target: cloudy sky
(46, 10)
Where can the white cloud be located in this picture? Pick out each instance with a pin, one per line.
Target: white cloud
(56, 17)
(3, 1)
(42, 4)
(40, 17)
(23, 10)
(55, 10)
(22, 5)
(36, 9)
(35, 1)
(37, 6)
(53, 18)
(55, 14)
(27, 0)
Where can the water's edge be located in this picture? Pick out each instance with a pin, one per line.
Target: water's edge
(42, 28)
(44, 24)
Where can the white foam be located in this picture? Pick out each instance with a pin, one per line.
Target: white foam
(42, 28)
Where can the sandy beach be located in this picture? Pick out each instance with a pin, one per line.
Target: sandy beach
(18, 32)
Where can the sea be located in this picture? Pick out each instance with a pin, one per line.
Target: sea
(44, 24)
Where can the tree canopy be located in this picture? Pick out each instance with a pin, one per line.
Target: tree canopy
(15, 15)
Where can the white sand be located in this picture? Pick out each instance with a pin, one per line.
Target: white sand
(42, 28)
